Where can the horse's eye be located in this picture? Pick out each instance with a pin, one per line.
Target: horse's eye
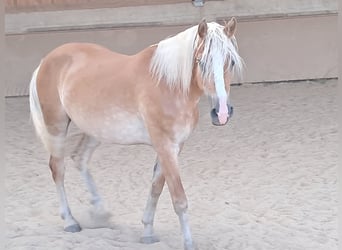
(232, 64)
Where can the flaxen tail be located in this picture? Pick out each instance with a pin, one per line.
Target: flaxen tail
(37, 116)
(36, 111)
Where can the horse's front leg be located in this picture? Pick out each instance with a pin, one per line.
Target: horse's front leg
(168, 158)
(158, 181)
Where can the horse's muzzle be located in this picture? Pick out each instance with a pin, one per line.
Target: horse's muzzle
(214, 117)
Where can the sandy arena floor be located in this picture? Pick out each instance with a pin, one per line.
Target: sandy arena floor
(266, 181)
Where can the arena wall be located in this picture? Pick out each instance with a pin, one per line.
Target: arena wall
(279, 40)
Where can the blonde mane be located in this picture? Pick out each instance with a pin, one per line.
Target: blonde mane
(174, 57)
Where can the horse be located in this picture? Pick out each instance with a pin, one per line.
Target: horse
(148, 98)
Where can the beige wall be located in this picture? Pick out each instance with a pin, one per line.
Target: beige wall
(289, 49)
(275, 47)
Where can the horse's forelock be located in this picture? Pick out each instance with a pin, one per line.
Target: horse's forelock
(219, 47)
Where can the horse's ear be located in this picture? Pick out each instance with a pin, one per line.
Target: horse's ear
(202, 28)
(230, 27)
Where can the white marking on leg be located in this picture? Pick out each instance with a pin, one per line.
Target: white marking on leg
(183, 219)
(64, 207)
(148, 217)
(151, 205)
(96, 199)
(83, 155)
(57, 169)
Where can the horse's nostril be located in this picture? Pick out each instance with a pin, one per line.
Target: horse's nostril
(230, 110)
(214, 117)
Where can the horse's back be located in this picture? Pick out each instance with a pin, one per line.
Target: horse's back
(72, 49)
(77, 54)
(80, 66)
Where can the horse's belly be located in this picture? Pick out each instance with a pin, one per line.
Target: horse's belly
(120, 127)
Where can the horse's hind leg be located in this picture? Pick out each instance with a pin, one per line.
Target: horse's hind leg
(82, 156)
(158, 181)
(51, 123)
(57, 168)
(57, 126)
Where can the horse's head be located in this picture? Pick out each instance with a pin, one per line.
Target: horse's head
(216, 58)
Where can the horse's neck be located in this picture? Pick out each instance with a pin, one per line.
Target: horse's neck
(195, 91)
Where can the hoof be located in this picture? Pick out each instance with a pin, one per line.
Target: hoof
(73, 228)
(190, 247)
(149, 239)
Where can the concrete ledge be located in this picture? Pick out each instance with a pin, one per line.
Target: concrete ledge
(163, 15)
(17, 6)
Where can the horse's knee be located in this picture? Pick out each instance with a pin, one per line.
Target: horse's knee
(52, 165)
(157, 187)
(179, 200)
(180, 206)
(157, 181)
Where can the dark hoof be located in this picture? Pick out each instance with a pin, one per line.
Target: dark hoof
(149, 239)
(73, 228)
(214, 117)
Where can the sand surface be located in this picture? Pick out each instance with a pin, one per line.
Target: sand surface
(268, 180)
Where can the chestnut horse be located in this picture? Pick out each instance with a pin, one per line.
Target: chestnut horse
(148, 98)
